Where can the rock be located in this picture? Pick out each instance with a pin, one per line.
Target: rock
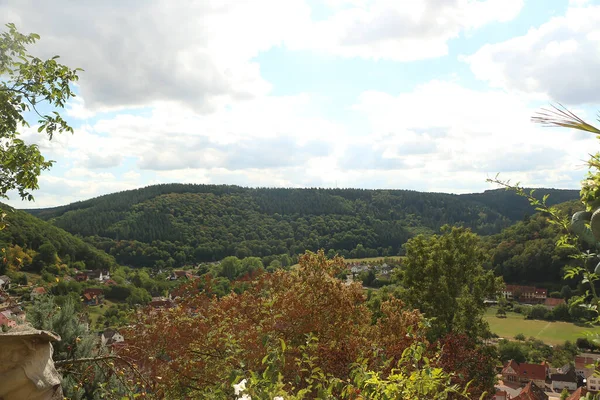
(26, 367)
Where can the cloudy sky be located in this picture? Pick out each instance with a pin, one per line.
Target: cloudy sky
(431, 95)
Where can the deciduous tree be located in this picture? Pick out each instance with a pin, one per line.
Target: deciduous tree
(27, 82)
(444, 279)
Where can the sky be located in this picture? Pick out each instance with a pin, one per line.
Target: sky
(428, 95)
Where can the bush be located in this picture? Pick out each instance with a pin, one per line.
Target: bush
(520, 337)
(539, 312)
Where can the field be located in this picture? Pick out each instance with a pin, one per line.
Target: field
(548, 332)
(96, 311)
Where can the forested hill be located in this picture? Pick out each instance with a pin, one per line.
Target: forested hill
(172, 224)
(30, 244)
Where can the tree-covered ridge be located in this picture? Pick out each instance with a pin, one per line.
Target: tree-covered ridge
(173, 224)
(29, 236)
(527, 253)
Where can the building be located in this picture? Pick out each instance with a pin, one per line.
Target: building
(7, 322)
(110, 337)
(93, 296)
(97, 275)
(525, 294)
(579, 394)
(532, 392)
(161, 302)
(551, 303)
(37, 291)
(584, 364)
(564, 378)
(525, 373)
(175, 275)
(501, 395)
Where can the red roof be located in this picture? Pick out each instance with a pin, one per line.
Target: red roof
(89, 296)
(550, 302)
(529, 371)
(93, 291)
(39, 290)
(578, 394)
(585, 362)
(531, 392)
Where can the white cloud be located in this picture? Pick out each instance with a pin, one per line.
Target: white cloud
(401, 31)
(196, 53)
(559, 60)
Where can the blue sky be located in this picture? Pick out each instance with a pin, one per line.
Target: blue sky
(431, 95)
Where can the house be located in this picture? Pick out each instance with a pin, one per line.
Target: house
(91, 299)
(94, 291)
(532, 392)
(525, 373)
(584, 364)
(551, 303)
(8, 322)
(501, 395)
(110, 282)
(175, 275)
(93, 296)
(111, 336)
(81, 277)
(579, 394)
(160, 302)
(592, 383)
(37, 291)
(564, 378)
(4, 282)
(526, 294)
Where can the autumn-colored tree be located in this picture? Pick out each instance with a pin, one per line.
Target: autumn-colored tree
(205, 342)
(470, 361)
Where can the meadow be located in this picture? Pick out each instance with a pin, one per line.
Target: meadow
(549, 332)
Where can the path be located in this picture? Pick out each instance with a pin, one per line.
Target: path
(542, 330)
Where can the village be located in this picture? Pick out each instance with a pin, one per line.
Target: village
(515, 381)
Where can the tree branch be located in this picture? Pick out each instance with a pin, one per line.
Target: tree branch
(102, 359)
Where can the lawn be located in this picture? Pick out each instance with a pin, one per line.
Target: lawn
(95, 311)
(548, 332)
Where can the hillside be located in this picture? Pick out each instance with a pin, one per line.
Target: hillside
(34, 242)
(169, 225)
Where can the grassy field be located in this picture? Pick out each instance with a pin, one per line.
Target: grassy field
(96, 311)
(548, 332)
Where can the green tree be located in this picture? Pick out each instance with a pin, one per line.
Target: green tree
(512, 351)
(27, 82)
(230, 267)
(444, 279)
(76, 342)
(251, 264)
(520, 337)
(566, 292)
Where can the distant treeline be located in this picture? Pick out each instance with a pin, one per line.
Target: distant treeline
(174, 224)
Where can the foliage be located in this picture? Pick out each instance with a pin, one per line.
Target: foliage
(526, 252)
(76, 342)
(585, 257)
(303, 330)
(174, 225)
(28, 238)
(444, 279)
(27, 82)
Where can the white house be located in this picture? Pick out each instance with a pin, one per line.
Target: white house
(110, 336)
